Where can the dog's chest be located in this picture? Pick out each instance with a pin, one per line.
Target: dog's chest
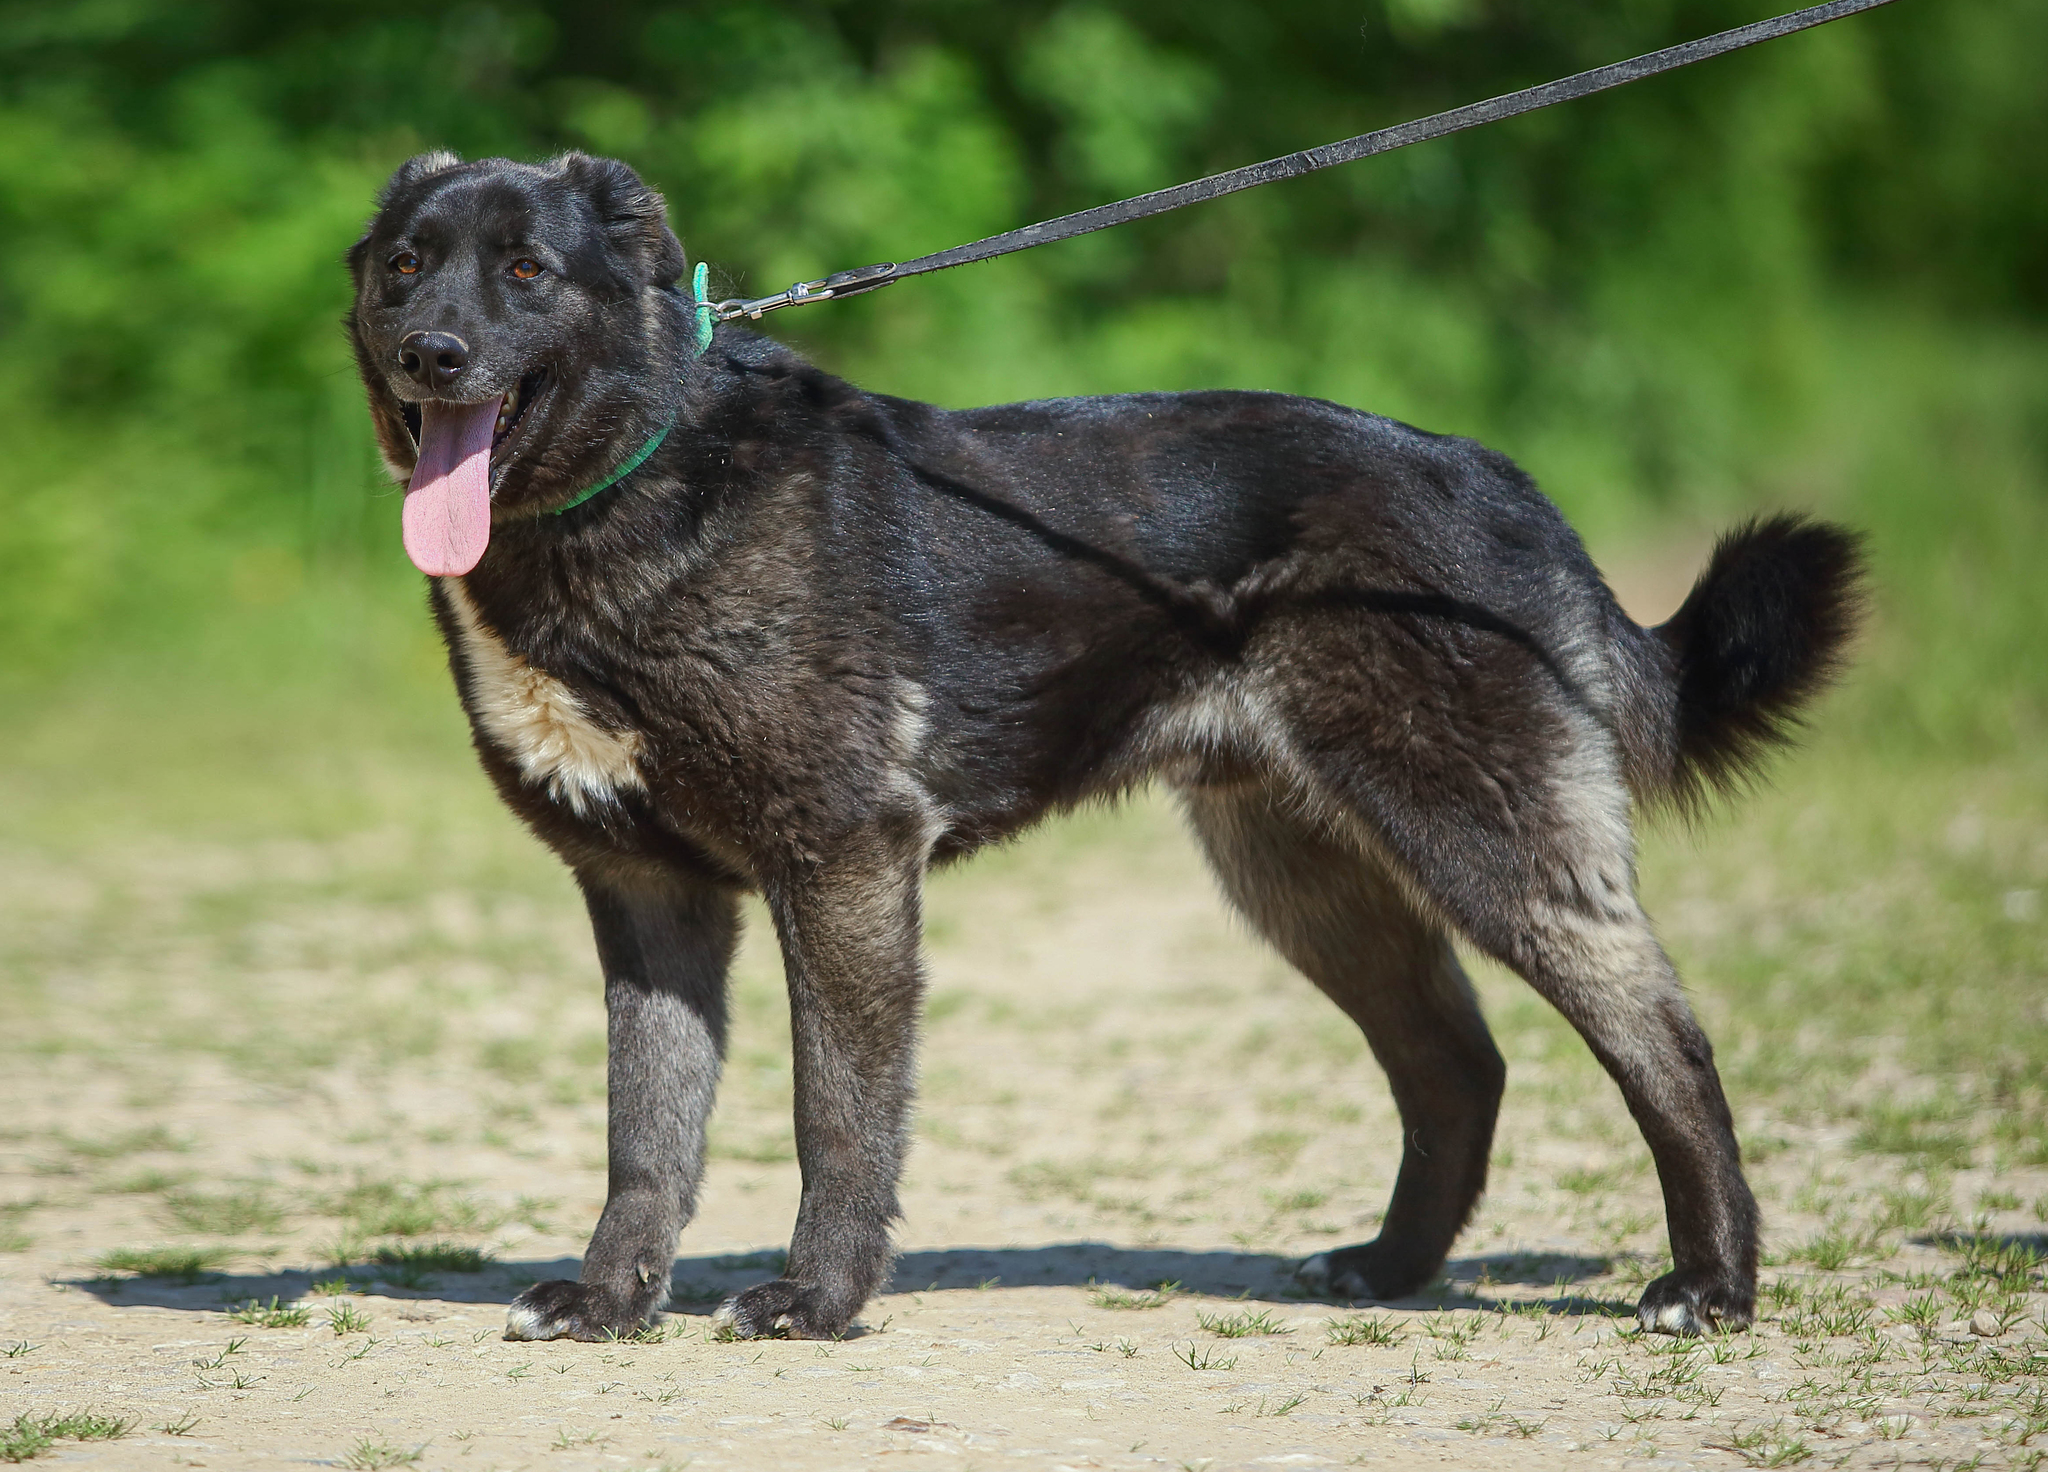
(540, 724)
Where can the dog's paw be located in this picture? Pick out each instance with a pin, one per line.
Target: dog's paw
(1362, 1272)
(1313, 1275)
(560, 1309)
(783, 1309)
(1695, 1302)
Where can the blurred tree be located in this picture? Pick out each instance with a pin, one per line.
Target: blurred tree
(1632, 293)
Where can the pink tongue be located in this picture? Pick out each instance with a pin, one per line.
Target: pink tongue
(448, 505)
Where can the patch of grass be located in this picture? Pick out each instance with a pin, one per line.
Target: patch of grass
(1452, 1333)
(1074, 1180)
(516, 1060)
(1304, 1200)
(1585, 1182)
(1203, 1359)
(144, 1141)
(12, 1237)
(372, 1456)
(1833, 1250)
(384, 1208)
(766, 1150)
(225, 1214)
(1925, 1133)
(147, 1182)
(1832, 1311)
(272, 1315)
(1495, 1421)
(411, 1264)
(1922, 1314)
(1769, 1446)
(1123, 1298)
(174, 1264)
(31, 1435)
(2022, 1138)
(1907, 1209)
(1277, 1147)
(533, 1211)
(1366, 1329)
(346, 1318)
(1242, 1325)
(2012, 1264)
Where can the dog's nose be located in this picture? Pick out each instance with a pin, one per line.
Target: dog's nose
(433, 359)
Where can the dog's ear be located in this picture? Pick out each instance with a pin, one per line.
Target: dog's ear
(418, 167)
(634, 217)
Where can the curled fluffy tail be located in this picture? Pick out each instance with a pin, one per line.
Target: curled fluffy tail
(1711, 692)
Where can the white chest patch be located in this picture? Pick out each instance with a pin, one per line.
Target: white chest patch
(537, 720)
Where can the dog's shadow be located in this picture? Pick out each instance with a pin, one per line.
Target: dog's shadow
(1118, 1278)
(1978, 1246)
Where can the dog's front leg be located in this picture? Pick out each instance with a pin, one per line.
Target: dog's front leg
(665, 944)
(850, 932)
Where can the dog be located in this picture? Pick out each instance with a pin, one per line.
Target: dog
(722, 622)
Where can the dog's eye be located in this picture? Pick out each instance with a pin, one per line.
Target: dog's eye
(526, 268)
(405, 263)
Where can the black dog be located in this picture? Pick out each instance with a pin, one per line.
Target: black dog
(813, 639)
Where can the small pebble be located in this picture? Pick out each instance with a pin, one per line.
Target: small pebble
(1984, 1324)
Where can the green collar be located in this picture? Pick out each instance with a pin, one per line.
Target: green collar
(699, 288)
(620, 474)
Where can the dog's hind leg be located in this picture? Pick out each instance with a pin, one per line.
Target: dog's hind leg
(850, 937)
(1341, 921)
(665, 944)
(1596, 960)
(1536, 866)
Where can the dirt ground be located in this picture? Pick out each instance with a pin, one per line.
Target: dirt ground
(259, 1095)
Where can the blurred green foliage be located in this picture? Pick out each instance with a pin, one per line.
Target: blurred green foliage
(1814, 273)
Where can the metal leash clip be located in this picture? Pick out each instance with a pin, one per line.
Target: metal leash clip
(825, 288)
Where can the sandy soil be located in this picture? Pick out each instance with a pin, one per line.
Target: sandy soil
(1122, 1092)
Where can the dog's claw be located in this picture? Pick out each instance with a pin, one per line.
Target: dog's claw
(559, 1309)
(1367, 1271)
(1692, 1303)
(782, 1309)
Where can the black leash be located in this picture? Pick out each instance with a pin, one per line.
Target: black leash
(1365, 145)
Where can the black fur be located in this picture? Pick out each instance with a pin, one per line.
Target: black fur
(824, 638)
(1761, 632)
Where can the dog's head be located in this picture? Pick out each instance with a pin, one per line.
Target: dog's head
(519, 332)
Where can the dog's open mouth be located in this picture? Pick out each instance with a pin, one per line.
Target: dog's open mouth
(447, 517)
(512, 407)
